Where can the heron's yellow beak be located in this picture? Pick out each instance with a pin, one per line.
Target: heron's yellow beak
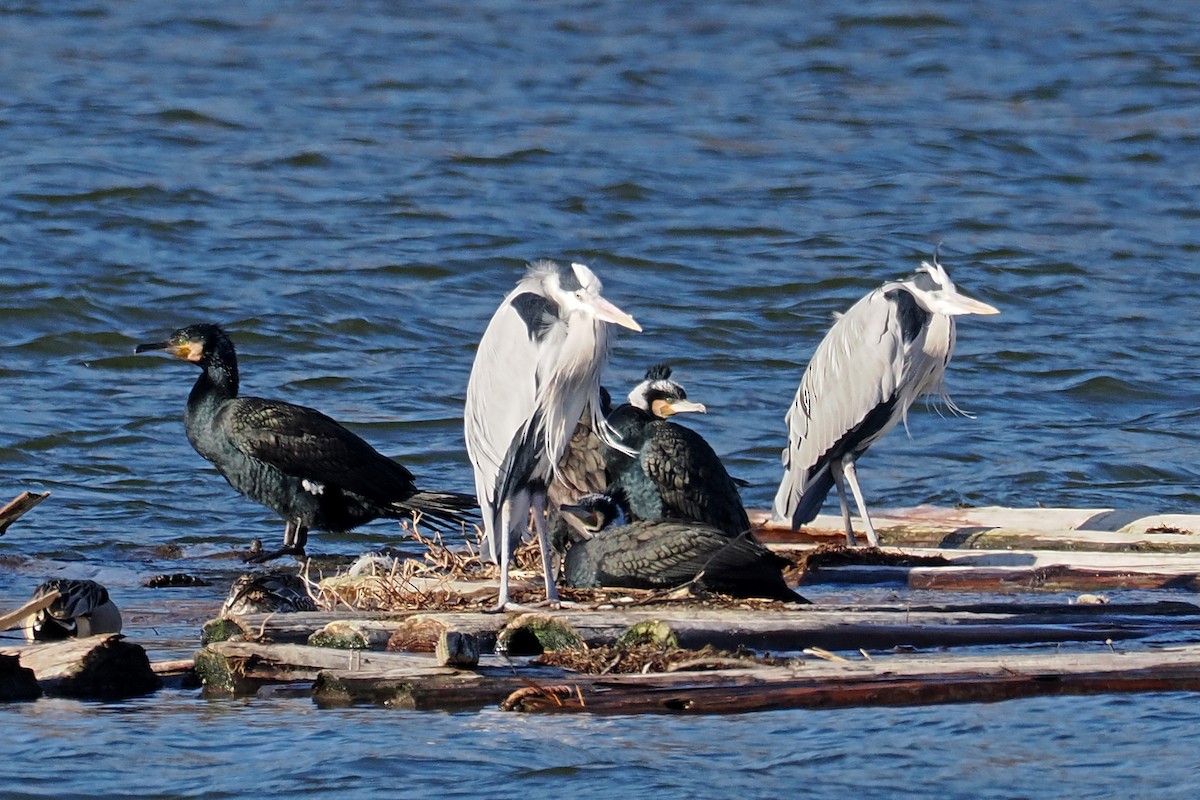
(607, 312)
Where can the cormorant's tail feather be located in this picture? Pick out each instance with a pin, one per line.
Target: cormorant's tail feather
(441, 509)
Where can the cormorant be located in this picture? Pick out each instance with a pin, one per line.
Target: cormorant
(675, 474)
(268, 592)
(79, 608)
(663, 554)
(298, 462)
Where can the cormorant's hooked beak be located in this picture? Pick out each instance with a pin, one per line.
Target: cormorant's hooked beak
(607, 312)
(591, 518)
(665, 408)
(188, 351)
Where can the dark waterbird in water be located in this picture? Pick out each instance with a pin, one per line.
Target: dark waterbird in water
(306, 467)
(890, 348)
(66, 608)
(268, 593)
(674, 474)
(664, 554)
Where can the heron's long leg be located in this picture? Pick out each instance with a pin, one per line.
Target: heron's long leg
(539, 523)
(500, 539)
(836, 469)
(848, 467)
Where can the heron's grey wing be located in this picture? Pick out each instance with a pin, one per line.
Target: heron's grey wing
(502, 390)
(854, 373)
(306, 444)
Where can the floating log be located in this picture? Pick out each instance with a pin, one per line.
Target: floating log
(241, 668)
(792, 629)
(297, 627)
(896, 681)
(994, 528)
(17, 507)
(17, 682)
(97, 667)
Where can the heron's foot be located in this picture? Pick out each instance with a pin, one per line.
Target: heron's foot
(260, 557)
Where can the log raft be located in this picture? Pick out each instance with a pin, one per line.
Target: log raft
(778, 629)
(418, 682)
(997, 528)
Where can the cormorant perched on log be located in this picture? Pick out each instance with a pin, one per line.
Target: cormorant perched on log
(298, 462)
(70, 608)
(676, 474)
(663, 554)
(268, 593)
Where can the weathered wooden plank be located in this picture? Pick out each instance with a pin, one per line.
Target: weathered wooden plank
(16, 508)
(893, 681)
(243, 667)
(1049, 578)
(1006, 528)
(103, 667)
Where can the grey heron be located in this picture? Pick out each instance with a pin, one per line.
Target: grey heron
(664, 554)
(675, 473)
(537, 368)
(306, 467)
(891, 347)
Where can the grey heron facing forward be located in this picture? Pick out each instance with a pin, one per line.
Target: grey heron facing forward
(890, 348)
(537, 368)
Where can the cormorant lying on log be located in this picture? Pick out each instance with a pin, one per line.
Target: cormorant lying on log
(663, 554)
(268, 593)
(298, 462)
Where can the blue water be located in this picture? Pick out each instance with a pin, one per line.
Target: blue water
(351, 188)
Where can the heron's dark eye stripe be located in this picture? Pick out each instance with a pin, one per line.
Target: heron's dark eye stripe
(568, 280)
(925, 282)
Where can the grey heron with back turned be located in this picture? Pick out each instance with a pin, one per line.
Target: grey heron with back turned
(537, 367)
(891, 347)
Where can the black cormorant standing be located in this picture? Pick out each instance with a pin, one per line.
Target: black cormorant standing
(298, 462)
(663, 554)
(676, 474)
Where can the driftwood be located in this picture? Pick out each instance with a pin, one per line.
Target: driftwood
(809, 684)
(17, 616)
(789, 629)
(894, 681)
(995, 528)
(101, 667)
(17, 507)
(17, 682)
(243, 667)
